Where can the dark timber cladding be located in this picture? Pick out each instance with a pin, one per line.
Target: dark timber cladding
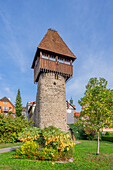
(53, 55)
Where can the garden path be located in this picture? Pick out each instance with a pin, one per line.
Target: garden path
(8, 149)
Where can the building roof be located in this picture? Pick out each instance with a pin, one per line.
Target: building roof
(69, 104)
(77, 114)
(5, 99)
(54, 43)
(32, 103)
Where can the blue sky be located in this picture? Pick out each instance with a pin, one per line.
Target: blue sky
(85, 25)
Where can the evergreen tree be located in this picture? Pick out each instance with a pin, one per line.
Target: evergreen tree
(18, 104)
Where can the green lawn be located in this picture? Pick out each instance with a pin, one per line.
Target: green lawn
(7, 145)
(85, 159)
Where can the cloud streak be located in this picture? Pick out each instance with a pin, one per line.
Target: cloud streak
(11, 46)
(10, 94)
(94, 65)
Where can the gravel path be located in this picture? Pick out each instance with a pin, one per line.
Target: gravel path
(76, 142)
(8, 149)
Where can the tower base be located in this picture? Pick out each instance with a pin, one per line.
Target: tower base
(51, 102)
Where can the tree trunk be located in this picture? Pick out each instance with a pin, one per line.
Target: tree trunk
(97, 144)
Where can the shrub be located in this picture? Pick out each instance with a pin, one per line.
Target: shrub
(27, 150)
(78, 131)
(57, 139)
(30, 133)
(107, 138)
(48, 154)
(10, 127)
(90, 133)
(54, 144)
(51, 137)
(108, 134)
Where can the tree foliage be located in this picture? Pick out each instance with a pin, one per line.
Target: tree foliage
(97, 105)
(18, 104)
(10, 127)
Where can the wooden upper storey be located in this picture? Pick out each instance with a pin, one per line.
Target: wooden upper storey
(48, 63)
(53, 55)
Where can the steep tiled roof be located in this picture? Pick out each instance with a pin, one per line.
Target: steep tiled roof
(54, 43)
(5, 99)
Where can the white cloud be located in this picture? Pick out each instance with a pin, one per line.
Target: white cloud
(94, 65)
(11, 46)
(9, 94)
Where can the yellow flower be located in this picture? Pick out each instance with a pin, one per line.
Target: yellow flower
(67, 149)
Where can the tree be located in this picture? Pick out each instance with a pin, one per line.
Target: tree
(97, 106)
(18, 104)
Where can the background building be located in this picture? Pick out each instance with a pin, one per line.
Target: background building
(6, 106)
(70, 108)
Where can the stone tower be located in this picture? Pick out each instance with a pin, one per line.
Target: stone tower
(52, 66)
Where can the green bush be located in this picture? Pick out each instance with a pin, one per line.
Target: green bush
(27, 150)
(30, 133)
(108, 134)
(53, 144)
(10, 127)
(84, 133)
(78, 131)
(48, 154)
(51, 137)
(57, 139)
(107, 138)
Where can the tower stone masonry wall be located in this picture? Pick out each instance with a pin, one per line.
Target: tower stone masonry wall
(51, 102)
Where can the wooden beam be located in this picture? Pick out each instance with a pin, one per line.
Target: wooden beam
(71, 62)
(40, 54)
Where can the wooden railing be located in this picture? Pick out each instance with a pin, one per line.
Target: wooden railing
(56, 67)
(49, 65)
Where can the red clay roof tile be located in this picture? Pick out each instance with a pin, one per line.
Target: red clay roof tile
(54, 43)
(76, 114)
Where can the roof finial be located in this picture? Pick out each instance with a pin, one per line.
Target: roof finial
(71, 101)
(52, 29)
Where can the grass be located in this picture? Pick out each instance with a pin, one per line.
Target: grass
(7, 145)
(85, 158)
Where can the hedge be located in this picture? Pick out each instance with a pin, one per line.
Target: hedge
(107, 138)
(78, 131)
